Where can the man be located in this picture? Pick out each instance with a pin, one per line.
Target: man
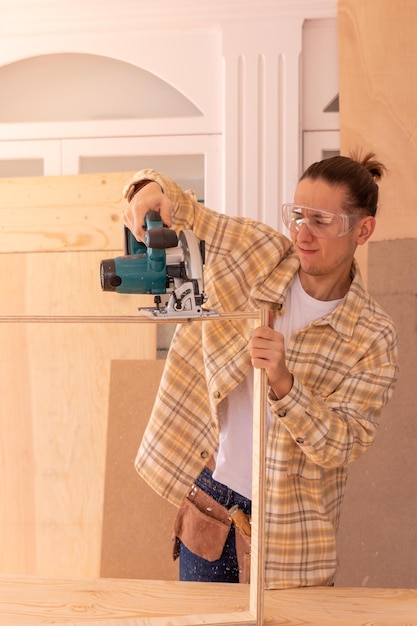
(330, 356)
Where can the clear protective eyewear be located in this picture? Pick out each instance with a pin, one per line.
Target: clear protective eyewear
(321, 224)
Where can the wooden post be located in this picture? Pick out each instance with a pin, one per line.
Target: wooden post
(257, 574)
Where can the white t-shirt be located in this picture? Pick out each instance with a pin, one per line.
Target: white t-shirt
(234, 454)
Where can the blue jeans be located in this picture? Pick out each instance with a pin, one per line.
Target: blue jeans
(225, 569)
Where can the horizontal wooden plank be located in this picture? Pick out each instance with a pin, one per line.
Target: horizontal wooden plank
(34, 601)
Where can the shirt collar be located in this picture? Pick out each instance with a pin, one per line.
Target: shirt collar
(275, 287)
(344, 317)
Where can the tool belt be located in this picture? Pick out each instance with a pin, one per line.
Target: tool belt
(203, 525)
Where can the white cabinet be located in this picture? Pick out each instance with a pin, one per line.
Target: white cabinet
(319, 144)
(188, 159)
(30, 158)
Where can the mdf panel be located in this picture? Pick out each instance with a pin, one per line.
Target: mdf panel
(54, 375)
(137, 522)
(377, 538)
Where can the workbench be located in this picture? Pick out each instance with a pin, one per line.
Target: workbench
(32, 601)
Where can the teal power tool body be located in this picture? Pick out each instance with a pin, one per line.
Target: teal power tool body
(165, 264)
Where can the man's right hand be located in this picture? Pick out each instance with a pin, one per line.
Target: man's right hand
(149, 198)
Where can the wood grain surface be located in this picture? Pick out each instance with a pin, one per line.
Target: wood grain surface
(36, 601)
(54, 378)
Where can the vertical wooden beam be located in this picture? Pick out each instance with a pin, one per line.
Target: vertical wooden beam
(257, 574)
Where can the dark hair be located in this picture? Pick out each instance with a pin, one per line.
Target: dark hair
(358, 175)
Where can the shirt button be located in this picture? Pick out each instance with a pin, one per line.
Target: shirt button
(204, 454)
(299, 440)
(216, 394)
(282, 413)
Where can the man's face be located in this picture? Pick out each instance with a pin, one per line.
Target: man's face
(324, 257)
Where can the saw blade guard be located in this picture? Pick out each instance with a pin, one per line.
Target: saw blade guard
(193, 262)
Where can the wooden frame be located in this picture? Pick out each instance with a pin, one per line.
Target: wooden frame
(254, 614)
(80, 214)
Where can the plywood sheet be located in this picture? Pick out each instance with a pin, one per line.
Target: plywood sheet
(378, 99)
(56, 283)
(53, 404)
(62, 213)
(54, 377)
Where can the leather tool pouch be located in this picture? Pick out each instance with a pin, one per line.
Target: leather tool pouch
(202, 524)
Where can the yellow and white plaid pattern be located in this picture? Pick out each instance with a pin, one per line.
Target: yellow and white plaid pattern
(344, 365)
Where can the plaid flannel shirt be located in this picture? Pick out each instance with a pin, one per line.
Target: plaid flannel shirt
(344, 367)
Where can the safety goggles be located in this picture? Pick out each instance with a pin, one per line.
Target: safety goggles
(321, 224)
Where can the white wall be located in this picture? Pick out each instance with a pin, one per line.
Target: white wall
(238, 62)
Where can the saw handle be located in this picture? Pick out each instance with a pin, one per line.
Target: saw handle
(161, 238)
(156, 235)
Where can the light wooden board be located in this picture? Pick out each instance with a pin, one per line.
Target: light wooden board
(54, 391)
(62, 213)
(378, 100)
(57, 283)
(28, 601)
(54, 378)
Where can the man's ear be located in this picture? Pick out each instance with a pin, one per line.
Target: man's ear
(365, 229)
